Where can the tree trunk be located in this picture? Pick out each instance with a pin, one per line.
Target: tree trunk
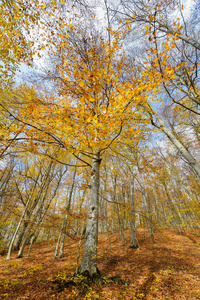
(133, 233)
(17, 229)
(20, 237)
(78, 223)
(185, 152)
(147, 211)
(175, 214)
(88, 265)
(64, 225)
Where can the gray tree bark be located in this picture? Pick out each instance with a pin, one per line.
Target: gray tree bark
(133, 232)
(64, 224)
(140, 180)
(88, 265)
(185, 152)
(17, 229)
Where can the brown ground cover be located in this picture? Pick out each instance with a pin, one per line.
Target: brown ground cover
(169, 269)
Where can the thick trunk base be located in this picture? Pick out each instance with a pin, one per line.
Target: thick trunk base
(133, 247)
(94, 277)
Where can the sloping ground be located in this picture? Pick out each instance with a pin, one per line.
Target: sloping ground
(169, 269)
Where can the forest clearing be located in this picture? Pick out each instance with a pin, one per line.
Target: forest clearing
(169, 269)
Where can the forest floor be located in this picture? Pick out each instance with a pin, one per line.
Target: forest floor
(168, 269)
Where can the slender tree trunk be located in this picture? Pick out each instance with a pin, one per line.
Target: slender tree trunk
(64, 225)
(17, 229)
(35, 222)
(33, 240)
(88, 265)
(176, 216)
(142, 185)
(133, 232)
(185, 152)
(78, 223)
(34, 236)
(57, 246)
(79, 248)
(20, 237)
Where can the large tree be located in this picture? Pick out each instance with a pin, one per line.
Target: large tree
(91, 106)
